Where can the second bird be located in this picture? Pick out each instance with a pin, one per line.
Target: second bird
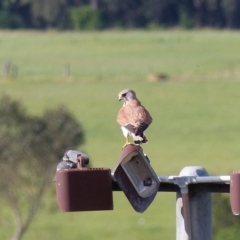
(133, 117)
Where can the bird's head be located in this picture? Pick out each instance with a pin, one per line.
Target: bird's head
(126, 95)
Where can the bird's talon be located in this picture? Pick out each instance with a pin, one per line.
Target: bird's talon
(125, 145)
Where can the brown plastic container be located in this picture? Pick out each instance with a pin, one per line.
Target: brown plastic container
(84, 189)
(235, 193)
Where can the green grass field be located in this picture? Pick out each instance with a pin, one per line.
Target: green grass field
(195, 111)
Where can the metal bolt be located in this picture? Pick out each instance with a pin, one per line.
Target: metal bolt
(147, 182)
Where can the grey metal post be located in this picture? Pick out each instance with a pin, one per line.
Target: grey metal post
(193, 207)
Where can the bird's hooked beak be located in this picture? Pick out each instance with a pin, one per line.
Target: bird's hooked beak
(120, 98)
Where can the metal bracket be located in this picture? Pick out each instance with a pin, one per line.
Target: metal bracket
(183, 182)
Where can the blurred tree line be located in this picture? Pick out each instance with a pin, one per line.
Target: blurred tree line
(102, 14)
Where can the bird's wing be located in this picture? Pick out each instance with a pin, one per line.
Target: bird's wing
(138, 113)
(123, 117)
(134, 114)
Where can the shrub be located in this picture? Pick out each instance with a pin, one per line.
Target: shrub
(9, 20)
(186, 22)
(85, 18)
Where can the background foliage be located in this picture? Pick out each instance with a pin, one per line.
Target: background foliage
(85, 18)
(59, 14)
(225, 224)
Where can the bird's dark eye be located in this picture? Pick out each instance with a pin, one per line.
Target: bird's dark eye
(124, 95)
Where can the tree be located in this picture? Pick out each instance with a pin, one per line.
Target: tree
(30, 149)
(49, 14)
(85, 18)
(9, 15)
(232, 8)
(122, 13)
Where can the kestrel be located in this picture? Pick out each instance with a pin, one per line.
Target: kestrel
(133, 117)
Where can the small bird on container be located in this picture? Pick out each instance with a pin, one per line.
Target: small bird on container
(133, 117)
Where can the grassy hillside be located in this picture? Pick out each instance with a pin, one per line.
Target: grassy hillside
(195, 111)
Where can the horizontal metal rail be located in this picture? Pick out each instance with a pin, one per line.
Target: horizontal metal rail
(215, 184)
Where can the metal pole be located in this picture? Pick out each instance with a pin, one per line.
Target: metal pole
(197, 203)
(186, 215)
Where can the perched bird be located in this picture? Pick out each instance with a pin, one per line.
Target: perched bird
(133, 117)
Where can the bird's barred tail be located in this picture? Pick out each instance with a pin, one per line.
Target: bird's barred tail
(140, 137)
(141, 128)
